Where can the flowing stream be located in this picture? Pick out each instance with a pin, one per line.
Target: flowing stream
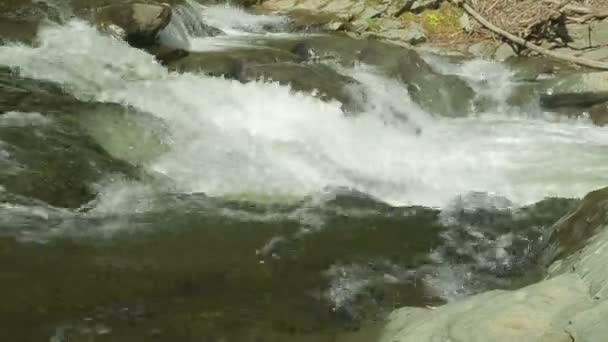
(264, 211)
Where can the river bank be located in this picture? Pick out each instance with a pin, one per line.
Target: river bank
(445, 27)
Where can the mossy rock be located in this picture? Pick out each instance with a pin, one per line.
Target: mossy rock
(441, 21)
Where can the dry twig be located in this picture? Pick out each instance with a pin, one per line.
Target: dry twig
(526, 44)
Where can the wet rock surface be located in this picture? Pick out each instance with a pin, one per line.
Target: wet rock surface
(52, 162)
(137, 23)
(566, 306)
(579, 95)
(20, 93)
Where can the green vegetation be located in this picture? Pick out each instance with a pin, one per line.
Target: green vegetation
(444, 20)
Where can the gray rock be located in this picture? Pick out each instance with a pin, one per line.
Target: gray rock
(347, 9)
(571, 233)
(579, 243)
(421, 5)
(537, 313)
(572, 100)
(53, 161)
(414, 34)
(579, 83)
(599, 114)
(575, 95)
(481, 50)
(599, 54)
(335, 26)
(590, 325)
(571, 304)
(26, 95)
(166, 56)
(137, 23)
(339, 48)
(394, 30)
(230, 63)
(17, 30)
(317, 79)
(584, 36)
(504, 52)
(444, 95)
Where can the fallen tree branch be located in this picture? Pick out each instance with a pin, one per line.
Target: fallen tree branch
(526, 44)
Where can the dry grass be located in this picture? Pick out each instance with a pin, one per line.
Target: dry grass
(520, 17)
(534, 20)
(598, 4)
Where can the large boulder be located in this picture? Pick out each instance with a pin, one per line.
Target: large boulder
(270, 64)
(571, 304)
(582, 82)
(317, 79)
(229, 63)
(49, 147)
(443, 95)
(138, 23)
(578, 94)
(583, 36)
(536, 313)
(578, 243)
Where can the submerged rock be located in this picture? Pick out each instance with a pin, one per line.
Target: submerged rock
(20, 19)
(316, 79)
(445, 95)
(229, 63)
(23, 94)
(50, 160)
(16, 30)
(137, 23)
(51, 143)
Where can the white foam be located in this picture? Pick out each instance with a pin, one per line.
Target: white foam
(229, 138)
(234, 20)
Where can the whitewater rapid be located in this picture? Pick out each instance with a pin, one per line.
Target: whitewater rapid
(227, 138)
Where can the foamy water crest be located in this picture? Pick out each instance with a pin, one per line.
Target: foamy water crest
(230, 138)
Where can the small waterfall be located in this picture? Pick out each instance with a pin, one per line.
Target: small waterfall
(186, 23)
(239, 187)
(228, 138)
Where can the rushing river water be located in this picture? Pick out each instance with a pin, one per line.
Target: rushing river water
(225, 210)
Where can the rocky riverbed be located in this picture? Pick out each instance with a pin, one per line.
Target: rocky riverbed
(293, 171)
